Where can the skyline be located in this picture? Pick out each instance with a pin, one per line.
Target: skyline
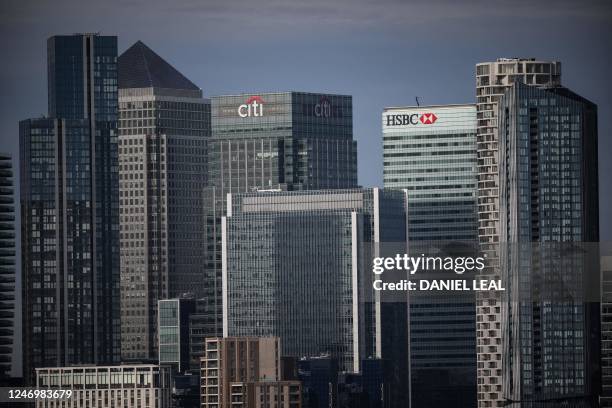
(355, 48)
(357, 42)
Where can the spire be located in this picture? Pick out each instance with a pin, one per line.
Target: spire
(141, 67)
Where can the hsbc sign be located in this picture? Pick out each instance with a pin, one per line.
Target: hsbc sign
(426, 118)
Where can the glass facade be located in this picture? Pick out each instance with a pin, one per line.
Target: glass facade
(492, 79)
(292, 140)
(174, 341)
(294, 266)
(430, 151)
(7, 264)
(549, 199)
(69, 200)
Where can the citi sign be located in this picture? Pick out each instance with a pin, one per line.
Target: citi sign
(252, 108)
(411, 119)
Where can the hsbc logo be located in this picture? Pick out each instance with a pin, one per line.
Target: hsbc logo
(252, 108)
(428, 118)
(411, 119)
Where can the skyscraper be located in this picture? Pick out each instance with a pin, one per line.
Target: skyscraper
(291, 140)
(7, 265)
(549, 213)
(296, 265)
(492, 79)
(431, 152)
(164, 128)
(70, 212)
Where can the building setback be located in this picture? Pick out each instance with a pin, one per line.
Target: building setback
(70, 210)
(549, 213)
(430, 151)
(296, 266)
(291, 140)
(492, 79)
(7, 265)
(164, 127)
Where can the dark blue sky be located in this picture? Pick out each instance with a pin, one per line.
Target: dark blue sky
(384, 53)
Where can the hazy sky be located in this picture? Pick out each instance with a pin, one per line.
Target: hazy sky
(383, 52)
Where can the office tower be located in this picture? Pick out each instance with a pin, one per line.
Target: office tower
(319, 377)
(129, 386)
(164, 126)
(7, 265)
(70, 210)
(492, 79)
(242, 371)
(173, 324)
(297, 265)
(549, 213)
(431, 152)
(293, 140)
(606, 331)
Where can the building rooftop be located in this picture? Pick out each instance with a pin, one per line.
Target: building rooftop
(140, 67)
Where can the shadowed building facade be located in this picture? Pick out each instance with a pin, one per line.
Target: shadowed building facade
(549, 218)
(164, 127)
(296, 265)
(7, 265)
(70, 210)
(492, 79)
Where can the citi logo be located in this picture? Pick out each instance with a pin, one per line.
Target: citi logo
(411, 119)
(252, 107)
(323, 108)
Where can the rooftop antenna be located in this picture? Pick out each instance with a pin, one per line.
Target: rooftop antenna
(417, 101)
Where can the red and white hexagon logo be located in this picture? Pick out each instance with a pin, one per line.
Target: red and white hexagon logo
(428, 118)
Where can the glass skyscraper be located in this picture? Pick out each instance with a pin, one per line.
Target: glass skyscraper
(164, 127)
(549, 212)
(430, 151)
(7, 265)
(290, 140)
(296, 265)
(492, 79)
(70, 210)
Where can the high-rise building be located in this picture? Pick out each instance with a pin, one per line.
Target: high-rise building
(291, 140)
(7, 265)
(492, 79)
(549, 213)
(606, 331)
(164, 127)
(70, 210)
(431, 152)
(173, 326)
(128, 386)
(296, 265)
(246, 372)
